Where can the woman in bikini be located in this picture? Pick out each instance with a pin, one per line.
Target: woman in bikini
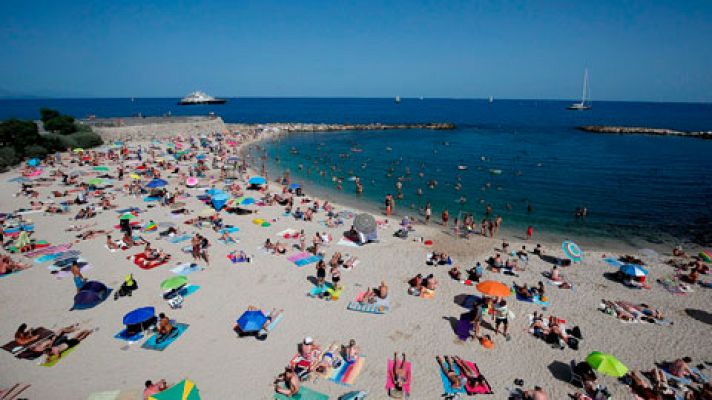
(400, 376)
(449, 372)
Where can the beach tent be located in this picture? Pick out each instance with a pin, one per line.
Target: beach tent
(218, 201)
(91, 294)
(184, 390)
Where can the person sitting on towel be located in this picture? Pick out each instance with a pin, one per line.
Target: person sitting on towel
(25, 336)
(290, 380)
(352, 351)
(165, 328)
(154, 388)
(523, 291)
(373, 294)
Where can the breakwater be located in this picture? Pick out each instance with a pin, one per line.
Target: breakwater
(640, 130)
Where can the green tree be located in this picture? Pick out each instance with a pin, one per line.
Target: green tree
(47, 114)
(18, 134)
(63, 124)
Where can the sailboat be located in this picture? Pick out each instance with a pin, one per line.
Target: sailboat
(491, 99)
(582, 106)
(397, 100)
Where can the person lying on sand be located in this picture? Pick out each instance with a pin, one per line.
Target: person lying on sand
(416, 285)
(470, 379)
(330, 359)
(290, 380)
(400, 377)
(523, 291)
(90, 234)
(351, 262)
(455, 273)
(154, 388)
(8, 265)
(373, 294)
(449, 372)
(59, 342)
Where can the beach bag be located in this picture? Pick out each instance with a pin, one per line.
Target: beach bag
(573, 343)
(576, 332)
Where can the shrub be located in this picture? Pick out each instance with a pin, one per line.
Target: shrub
(47, 114)
(8, 157)
(35, 150)
(84, 140)
(64, 124)
(18, 134)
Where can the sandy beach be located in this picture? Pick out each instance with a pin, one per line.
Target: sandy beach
(225, 366)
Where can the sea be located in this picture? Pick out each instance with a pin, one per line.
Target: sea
(524, 159)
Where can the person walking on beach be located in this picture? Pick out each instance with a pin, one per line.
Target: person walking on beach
(530, 232)
(428, 212)
(445, 217)
(501, 317)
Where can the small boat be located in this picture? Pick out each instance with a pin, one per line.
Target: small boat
(397, 99)
(491, 99)
(582, 106)
(356, 149)
(495, 171)
(389, 148)
(462, 167)
(200, 98)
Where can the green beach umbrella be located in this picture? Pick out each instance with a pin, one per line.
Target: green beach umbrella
(128, 216)
(184, 390)
(606, 364)
(101, 168)
(174, 282)
(95, 181)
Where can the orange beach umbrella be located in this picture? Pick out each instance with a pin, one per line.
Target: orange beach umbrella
(493, 288)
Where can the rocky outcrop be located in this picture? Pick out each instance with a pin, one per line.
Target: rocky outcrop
(640, 130)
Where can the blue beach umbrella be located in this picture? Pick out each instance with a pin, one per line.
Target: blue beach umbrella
(633, 270)
(33, 162)
(219, 200)
(139, 315)
(251, 321)
(257, 180)
(294, 186)
(200, 157)
(213, 191)
(156, 183)
(572, 251)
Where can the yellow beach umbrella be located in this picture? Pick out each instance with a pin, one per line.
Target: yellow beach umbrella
(134, 176)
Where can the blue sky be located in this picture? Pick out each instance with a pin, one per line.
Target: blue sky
(635, 50)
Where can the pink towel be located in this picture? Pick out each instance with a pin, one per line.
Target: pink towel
(298, 256)
(408, 375)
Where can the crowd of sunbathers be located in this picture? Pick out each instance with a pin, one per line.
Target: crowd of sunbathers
(52, 345)
(553, 330)
(8, 265)
(629, 312)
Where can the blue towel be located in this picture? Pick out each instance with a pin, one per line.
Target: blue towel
(308, 260)
(179, 239)
(149, 199)
(152, 344)
(318, 290)
(188, 290)
(613, 262)
(447, 388)
(229, 229)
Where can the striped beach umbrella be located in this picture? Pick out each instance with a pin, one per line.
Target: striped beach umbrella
(572, 251)
(184, 390)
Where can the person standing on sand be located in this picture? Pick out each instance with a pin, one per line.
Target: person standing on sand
(428, 212)
(79, 279)
(445, 217)
(530, 232)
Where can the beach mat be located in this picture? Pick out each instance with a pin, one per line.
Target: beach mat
(389, 377)
(447, 387)
(61, 356)
(138, 258)
(381, 306)
(153, 344)
(347, 372)
(186, 269)
(179, 239)
(14, 348)
(58, 256)
(115, 395)
(304, 394)
(327, 288)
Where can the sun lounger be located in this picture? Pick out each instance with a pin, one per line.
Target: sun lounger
(390, 385)
(154, 343)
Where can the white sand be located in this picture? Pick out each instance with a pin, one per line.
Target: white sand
(226, 367)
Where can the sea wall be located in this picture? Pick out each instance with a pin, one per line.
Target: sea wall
(307, 127)
(640, 130)
(136, 128)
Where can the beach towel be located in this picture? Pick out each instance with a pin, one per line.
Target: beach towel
(153, 343)
(447, 387)
(326, 290)
(58, 256)
(381, 306)
(536, 299)
(151, 199)
(61, 356)
(186, 269)
(303, 258)
(139, 258)
(347, 242)
(613, 262)
(346, 373)
(48, 250)
(229, 229)
(123, 335)
(14, 348)
(390, 379)
(179, 239)
(188, 290)
(304, 394)
(674, 286)
(115, 395)
(480, 389)
(61, 273)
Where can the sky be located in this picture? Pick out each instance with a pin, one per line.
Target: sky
(643, 50)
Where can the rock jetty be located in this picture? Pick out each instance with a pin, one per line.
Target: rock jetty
(307, 127)
(640, 130)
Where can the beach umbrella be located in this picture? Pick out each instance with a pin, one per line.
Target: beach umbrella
(95, 181)
(101, 168)
(174, 282)
(633, 270)
(706, 255)
(257, 180)
(200, 157)
(207, 212)
(572, 251)
(134, 176)
(294, 186)
(139, 315)
(251, 321)
(78, 150)
(494, 288)
(213, 191)
(127, 215)
(156, 183)
(606, 364)
(191, 181)
(365, 223)
(218, 201)
(184, 390)
(90, 294)
(33, 162)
